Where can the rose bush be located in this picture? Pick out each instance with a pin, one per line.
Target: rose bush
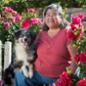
(77, 35)
(82, 82)
(11, 21)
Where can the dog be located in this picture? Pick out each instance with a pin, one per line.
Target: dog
(23, 56)
(24, 52)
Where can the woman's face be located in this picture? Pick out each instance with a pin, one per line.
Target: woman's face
(52, 19)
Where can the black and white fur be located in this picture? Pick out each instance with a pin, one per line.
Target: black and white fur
(23, 56)
(24, 52)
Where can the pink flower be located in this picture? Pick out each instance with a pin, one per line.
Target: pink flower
(64, 80)
(35, 21)
(14, 12)
(18, 17)
(10, 10)
(82, 82)
(6, 8)
(6, 25)
(12, 19)
(81, 15)
(32, 10)
(25, 24)
(76, 20)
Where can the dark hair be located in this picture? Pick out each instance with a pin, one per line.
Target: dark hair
(58, 9)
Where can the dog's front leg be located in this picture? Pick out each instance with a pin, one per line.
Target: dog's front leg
(30, 73)
(27, 70)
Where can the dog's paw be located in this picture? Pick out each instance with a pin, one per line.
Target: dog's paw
(27, 71)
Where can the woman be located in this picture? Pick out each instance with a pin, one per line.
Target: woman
(53, 50)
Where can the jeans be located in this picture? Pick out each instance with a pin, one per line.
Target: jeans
(36, 80)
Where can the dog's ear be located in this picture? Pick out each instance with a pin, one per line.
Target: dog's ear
(32, 34)
(17, 34)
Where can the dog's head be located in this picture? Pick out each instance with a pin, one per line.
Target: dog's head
(25, 36)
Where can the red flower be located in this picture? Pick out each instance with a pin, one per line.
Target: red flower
(76, 20)
(73, 27)
(82, 57)
(64, 80)
(77, 58)
(25, 24)
(82, 82)
(75, 32)
(70, 35)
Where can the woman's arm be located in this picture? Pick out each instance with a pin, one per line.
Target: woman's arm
(72, 50)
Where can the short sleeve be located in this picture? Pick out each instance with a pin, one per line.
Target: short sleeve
(68, 34)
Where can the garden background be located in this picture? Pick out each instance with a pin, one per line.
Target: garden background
(22, 7)
(27, 9)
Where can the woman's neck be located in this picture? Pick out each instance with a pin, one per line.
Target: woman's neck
(52, 32)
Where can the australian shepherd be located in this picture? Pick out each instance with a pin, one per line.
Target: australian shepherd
(24, 54)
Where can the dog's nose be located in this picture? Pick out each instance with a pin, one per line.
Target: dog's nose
(25, 39)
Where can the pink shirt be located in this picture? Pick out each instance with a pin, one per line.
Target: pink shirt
(52, 53)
